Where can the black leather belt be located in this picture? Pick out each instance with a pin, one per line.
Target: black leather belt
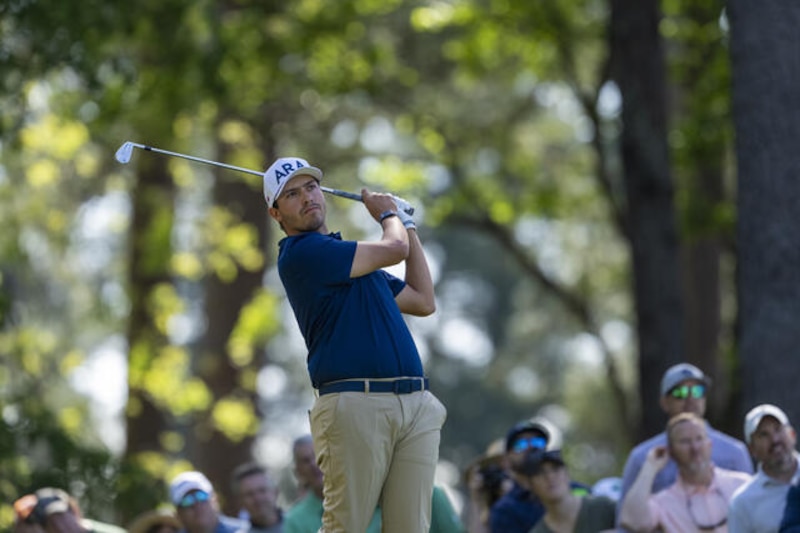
(397, 386)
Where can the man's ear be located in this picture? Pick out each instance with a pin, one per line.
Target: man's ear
(275, 213)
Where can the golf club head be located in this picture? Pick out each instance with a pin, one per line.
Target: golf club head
(124, 153)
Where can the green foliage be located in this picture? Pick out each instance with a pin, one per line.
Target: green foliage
(258, 322)
(36, 450)
(702, 134)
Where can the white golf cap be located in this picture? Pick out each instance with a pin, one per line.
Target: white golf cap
(281, 171)
(681, 372)
(757, 414)
(185, 483)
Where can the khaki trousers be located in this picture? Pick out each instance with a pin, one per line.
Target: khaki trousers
(377, 448)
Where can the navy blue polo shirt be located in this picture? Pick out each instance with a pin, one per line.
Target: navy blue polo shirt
(352, 327)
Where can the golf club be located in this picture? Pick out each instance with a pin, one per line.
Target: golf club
(125, 152)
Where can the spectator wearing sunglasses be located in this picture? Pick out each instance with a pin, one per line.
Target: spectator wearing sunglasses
(697, 500)
(684, 388)
(196, 505)
(518, 510)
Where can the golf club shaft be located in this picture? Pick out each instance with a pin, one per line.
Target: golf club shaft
(335, 192)
(198, 159)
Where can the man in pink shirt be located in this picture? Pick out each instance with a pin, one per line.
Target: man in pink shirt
(698, 500)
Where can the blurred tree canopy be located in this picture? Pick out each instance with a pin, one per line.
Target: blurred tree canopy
(571, 162)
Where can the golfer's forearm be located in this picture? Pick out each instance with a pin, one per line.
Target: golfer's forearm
(394, 240)
(418, 275)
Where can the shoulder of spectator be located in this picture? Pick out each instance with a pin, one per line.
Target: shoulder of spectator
(639, 452)
(718, 436)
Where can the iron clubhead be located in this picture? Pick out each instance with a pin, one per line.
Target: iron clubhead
(124, 153)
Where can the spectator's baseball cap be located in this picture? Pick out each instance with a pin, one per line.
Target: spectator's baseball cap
(757, 414)
(532, 462)
(524, 427)
(36, 507)
(681, 372)
(185, 483)
(278, 175)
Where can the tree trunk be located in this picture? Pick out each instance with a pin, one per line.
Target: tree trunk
(150, 233)
(217, 454)
(639, 71)
(766, 85)
(699, 84)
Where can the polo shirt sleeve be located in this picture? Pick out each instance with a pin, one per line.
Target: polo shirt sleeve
(395, 284)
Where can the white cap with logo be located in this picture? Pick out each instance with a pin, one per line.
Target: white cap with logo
(185, 483)
(757, 414)
(281, 171)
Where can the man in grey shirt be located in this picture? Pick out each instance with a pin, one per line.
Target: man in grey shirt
(683, 389)
(758, 506)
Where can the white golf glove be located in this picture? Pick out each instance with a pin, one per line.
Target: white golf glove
(403, 205)
(408, 222)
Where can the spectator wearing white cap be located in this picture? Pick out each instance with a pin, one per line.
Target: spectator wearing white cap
(196, 504)
(684, 389)
(758, 506)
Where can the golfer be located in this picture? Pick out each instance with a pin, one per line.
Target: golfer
(375, 425)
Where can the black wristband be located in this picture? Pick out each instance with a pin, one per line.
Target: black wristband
(385, 215)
